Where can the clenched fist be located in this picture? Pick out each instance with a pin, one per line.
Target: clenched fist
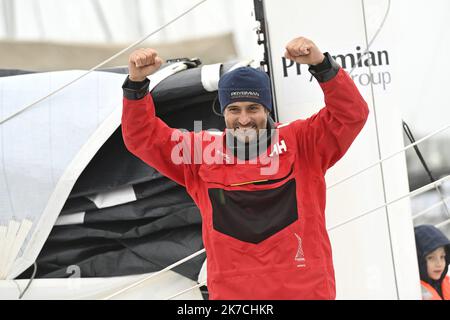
(303, 51)
(142, 63)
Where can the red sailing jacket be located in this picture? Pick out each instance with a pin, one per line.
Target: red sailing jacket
(264, 232)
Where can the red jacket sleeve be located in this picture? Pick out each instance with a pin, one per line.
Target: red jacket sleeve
(330, 132)
(151, 140)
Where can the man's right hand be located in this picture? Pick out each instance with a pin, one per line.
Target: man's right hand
(142, 63)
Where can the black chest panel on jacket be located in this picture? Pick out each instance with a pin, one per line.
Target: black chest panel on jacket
(253, 216)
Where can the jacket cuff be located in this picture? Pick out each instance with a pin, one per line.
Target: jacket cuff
(135, 90)
(326, 70)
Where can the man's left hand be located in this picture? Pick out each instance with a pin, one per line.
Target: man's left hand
(303, 51)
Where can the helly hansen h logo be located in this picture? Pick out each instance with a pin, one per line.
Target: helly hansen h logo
(244, 94)
(278, 148)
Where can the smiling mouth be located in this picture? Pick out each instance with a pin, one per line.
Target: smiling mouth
(245, 128)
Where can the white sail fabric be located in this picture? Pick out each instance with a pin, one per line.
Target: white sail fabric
(38, 146)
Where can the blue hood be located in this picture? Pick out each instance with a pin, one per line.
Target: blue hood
(428, 239)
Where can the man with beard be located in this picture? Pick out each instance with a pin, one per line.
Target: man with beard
(264, 227)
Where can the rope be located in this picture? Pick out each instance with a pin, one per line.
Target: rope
(391, 155)
(410, 194)
(374, 36)
(187, 290)
(442, 224)
(153, 275)
(437, 204)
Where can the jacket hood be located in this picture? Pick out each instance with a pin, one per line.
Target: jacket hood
(428, 239)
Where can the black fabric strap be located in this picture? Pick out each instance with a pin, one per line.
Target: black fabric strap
(135, 90)
(326, 70)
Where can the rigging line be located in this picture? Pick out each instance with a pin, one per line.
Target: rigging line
(374, 36)
(375, 117)
(102, 63)
(201, 284)
(153, 275)
(390, 156)
(410, 194)
(442, 224)
(437, 204)
(411, 138)
(410, 146)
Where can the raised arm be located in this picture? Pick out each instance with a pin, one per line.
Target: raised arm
(330, 132)
(144, 134)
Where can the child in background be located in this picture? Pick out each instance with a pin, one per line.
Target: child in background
(433, 254)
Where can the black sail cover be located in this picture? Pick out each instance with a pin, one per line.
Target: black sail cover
(158, 226)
